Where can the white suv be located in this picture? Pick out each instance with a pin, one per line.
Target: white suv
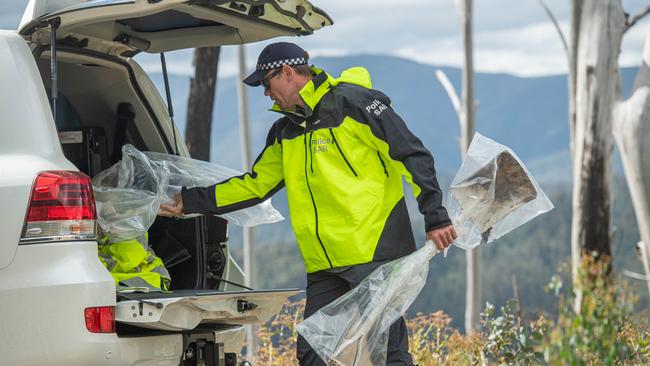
(58, 304)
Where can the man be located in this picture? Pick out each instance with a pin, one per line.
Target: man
(341, 151)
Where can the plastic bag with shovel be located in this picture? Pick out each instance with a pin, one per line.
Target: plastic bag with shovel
(492, 194)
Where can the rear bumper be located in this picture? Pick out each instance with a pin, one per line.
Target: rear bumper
(43, 294)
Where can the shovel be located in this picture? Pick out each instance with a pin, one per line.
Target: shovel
(492, 192)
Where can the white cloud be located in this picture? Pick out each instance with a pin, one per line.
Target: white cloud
(328, 52)
(534, 49)
(509, 36)
(531, 50)
(528, 36)
(180, 62)
(515, 51)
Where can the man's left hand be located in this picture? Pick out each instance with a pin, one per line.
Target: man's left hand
(172, 210)
(442, 237)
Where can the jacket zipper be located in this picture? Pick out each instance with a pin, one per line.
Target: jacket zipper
(341, 151)
(382, 163)
(311, 155)
(313, 202)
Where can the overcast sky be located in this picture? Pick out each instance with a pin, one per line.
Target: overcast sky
(511, 36)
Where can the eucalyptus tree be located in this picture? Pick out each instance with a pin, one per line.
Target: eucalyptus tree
(597, 109)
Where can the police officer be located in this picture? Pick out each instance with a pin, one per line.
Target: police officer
(341, 152)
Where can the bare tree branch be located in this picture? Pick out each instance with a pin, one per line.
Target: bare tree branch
(449, 88)
(636, 276)
(571, 60)
(632, 21)
(557, 27)
(643, 252)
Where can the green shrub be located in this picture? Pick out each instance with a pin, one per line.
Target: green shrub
(508, 341)
(603, 330)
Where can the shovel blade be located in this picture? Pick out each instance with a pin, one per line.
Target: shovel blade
(495, 190)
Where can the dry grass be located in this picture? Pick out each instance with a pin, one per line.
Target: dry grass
(605, 331)
(277, 338)
(432, 341)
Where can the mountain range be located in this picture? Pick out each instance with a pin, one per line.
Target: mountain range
(528, 114)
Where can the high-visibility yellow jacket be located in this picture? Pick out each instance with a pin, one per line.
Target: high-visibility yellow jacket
(134, 265)
(342, 160)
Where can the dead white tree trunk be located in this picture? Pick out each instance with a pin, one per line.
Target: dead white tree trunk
(465, 108)
(632, 133)
(246, 154)
(601, 25)
(571, 50)
(473, 279)
(597, 29)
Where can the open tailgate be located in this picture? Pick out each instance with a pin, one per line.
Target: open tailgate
(184, 310)
(126, 27)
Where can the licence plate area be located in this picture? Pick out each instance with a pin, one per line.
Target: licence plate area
(185, 310)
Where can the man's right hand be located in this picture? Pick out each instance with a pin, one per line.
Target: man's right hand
(174, 210)
(442, 237)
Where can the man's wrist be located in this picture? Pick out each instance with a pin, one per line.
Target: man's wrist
(437, 225)
(436, 218)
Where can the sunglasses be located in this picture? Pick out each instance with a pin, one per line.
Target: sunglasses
(266, 80)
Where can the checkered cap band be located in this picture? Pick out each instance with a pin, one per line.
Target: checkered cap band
(280, 63)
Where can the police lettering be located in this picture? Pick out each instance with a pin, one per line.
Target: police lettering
(320, 144)
(376, 107)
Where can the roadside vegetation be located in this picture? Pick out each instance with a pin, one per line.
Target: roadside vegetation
(605, 331)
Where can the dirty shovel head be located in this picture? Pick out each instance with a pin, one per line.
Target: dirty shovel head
(493, 191)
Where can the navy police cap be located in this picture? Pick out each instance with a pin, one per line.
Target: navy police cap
(274, 56)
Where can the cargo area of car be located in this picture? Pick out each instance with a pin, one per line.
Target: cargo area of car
(100, 107)
(103, 103)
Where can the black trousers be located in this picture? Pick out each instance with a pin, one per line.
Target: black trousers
(324, 287)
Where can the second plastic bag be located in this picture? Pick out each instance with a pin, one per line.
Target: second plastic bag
(353, 330)
(129, 193)
(186, 172)
(491, 194)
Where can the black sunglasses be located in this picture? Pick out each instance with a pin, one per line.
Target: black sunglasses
(265, 80)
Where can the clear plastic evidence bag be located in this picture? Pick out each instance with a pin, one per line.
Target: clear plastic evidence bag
(129, 193)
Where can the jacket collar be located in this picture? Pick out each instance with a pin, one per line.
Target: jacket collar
(311, 94)
(314, 91)
(316, 88)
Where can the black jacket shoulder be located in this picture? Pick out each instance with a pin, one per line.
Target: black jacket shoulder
(351, 97)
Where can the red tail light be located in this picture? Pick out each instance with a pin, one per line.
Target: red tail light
(100, 319)
(62, 207)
